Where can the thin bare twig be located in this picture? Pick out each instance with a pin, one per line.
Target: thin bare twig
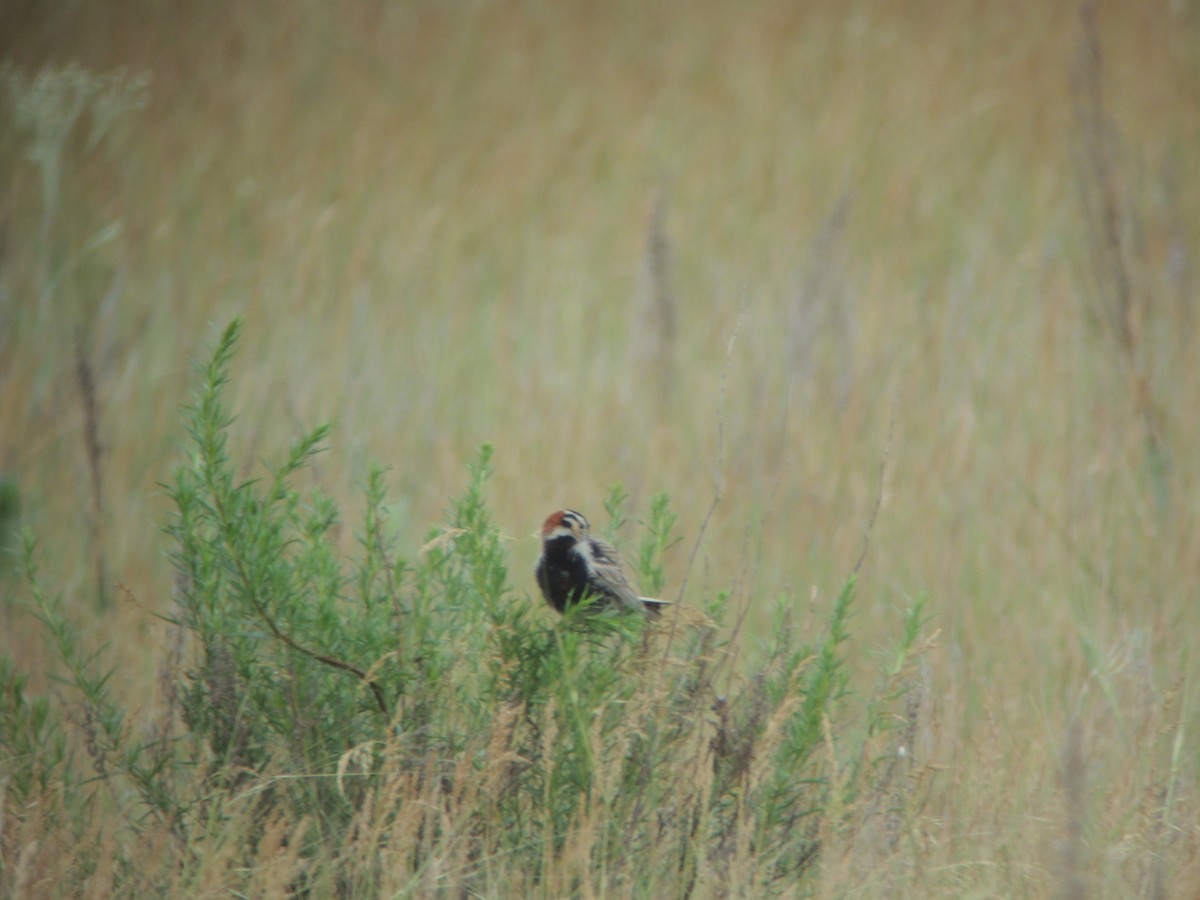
(887, 452)
(1073, 883)
(1120, 306)
(720, 460)
(86, 380)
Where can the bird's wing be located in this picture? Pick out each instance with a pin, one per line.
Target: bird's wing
(610, 576)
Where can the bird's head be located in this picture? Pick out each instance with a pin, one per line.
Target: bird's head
(564, 522)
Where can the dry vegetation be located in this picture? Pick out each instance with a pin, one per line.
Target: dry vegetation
(751, 255)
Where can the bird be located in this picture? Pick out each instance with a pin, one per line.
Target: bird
(574, 565)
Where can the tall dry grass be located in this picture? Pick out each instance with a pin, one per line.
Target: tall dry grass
(970, 227)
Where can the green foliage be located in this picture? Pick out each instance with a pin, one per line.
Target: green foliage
(283, 638)
(614, 506)
(33, 743)
(660, 528)
(400, 716)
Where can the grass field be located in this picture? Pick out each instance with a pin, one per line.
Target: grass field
(831, 276)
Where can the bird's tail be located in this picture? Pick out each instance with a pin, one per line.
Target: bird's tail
(653, 605)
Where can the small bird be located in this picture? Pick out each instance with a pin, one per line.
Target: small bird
(574, 565)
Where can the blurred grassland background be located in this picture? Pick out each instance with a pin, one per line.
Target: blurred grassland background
(748, 251)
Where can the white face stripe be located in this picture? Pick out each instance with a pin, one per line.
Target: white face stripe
(575, 520)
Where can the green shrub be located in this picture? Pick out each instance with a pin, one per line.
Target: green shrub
(381, 725)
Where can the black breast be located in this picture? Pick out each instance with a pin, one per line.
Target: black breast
(561, 573)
